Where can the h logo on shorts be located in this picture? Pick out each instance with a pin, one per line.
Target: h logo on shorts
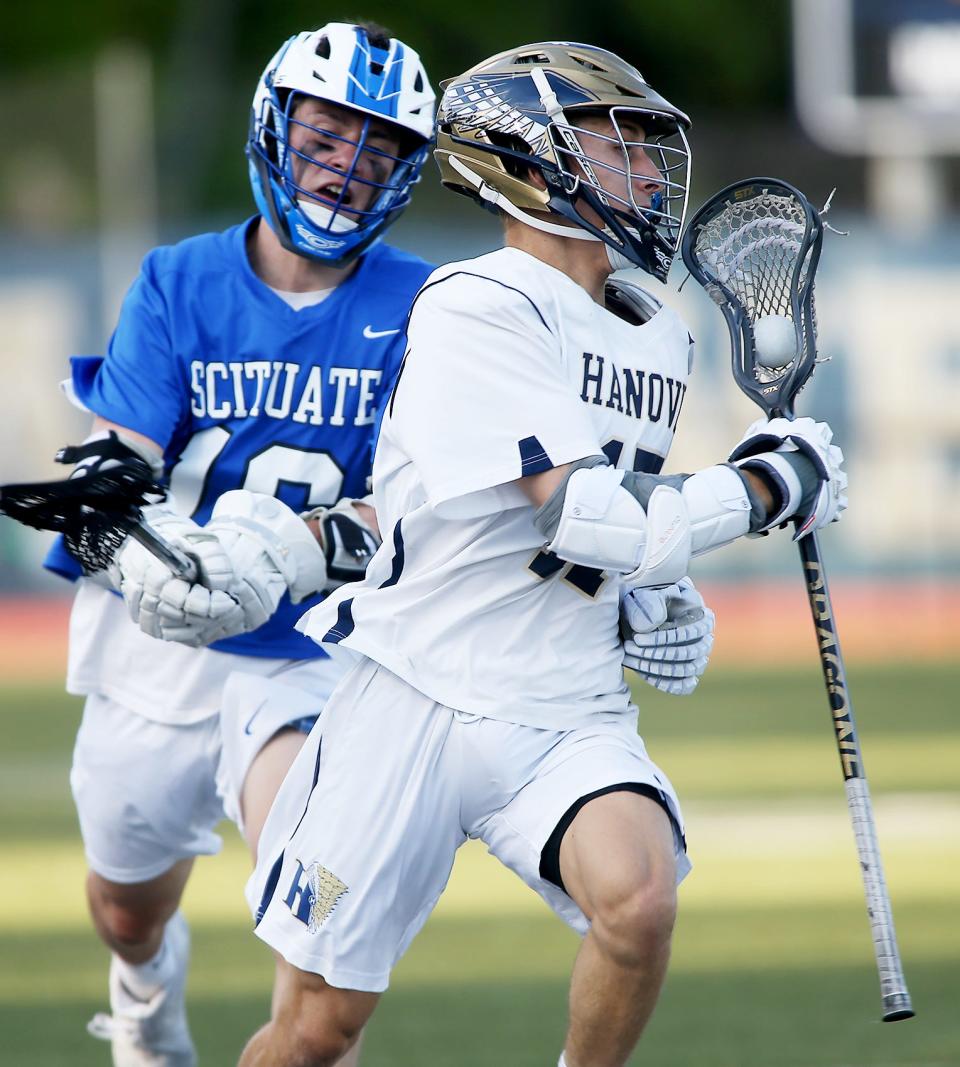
(314, 893)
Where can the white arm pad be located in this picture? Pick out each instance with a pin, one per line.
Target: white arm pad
(603, 525)
(718, 506)
(282, 535)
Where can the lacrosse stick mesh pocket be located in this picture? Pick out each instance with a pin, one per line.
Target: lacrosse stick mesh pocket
(751, 248)
(94, 513)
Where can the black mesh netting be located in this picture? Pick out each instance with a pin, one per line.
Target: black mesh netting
(93, 513)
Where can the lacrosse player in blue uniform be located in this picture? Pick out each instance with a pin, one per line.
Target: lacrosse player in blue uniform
(248, 366)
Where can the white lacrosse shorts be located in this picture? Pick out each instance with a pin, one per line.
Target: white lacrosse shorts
(361, 839)
(150, 793)
(145, 791)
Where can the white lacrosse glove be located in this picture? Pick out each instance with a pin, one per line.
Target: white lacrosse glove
(668, 635)
(138, 575)
(170, 608)
(252, 551)
(797, 457)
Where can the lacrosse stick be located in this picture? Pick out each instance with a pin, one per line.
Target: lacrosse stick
(754, 247)
(95, 513)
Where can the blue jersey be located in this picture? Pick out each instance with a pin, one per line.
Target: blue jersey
(243, 392)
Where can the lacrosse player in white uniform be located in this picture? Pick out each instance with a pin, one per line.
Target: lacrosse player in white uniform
(517, 489)
(253, 358)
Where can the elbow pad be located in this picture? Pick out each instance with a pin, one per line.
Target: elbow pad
(600, 524)
(613, 520)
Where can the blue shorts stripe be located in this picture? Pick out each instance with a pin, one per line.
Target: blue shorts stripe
(274, 877)
(269, 889)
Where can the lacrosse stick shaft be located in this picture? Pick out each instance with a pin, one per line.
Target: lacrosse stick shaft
(180, 563)
(893, 986)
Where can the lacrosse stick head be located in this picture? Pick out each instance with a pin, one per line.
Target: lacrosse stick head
(754, 247)
(94, 513)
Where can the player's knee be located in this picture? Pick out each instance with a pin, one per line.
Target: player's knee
(122, 924)
(320, 1044)
(128, 927)
(634, 920)
(316, 1023)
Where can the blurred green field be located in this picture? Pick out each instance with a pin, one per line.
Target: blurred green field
(773, 961)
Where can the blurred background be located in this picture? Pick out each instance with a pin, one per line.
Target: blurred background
(125, 128)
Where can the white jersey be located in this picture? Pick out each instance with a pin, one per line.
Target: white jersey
(160, 680)
(511, 369)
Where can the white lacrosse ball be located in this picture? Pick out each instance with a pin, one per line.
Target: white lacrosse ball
(774, 341)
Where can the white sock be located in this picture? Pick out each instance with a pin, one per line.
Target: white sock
(145, 979)
(562, 1062)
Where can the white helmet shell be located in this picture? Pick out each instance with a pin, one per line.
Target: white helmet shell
(329, 63)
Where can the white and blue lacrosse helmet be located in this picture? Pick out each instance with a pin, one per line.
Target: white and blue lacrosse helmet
(357, 67)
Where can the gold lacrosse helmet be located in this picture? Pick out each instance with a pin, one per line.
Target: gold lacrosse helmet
(518, 112)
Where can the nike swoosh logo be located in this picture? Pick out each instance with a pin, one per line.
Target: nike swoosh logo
(372, 334)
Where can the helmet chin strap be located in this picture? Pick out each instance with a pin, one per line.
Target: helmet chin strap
(617, 260)
(490, 196)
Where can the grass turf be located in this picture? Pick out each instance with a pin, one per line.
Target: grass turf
(772, 962)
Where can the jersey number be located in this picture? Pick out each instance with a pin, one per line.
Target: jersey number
(313, 476)
(587, 580)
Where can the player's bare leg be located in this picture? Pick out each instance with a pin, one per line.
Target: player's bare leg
(267, 771)
(150, 943)
(313, 1024)
(260, 786)
(617, 863)
(130, 919)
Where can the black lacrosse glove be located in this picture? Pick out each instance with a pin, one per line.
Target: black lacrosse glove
(97, 505)
(348, 542)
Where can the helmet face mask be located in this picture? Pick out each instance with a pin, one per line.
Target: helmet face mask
(384, 191)
(627, 188)
(570, 130)
(334, 94)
